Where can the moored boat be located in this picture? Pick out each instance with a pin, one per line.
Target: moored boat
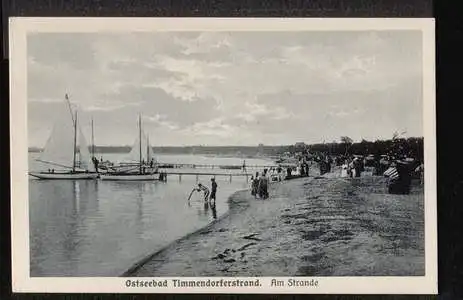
(66, 152)
(64, 175)
(143, 170)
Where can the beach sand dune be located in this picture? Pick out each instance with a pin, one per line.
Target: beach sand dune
(316, 226)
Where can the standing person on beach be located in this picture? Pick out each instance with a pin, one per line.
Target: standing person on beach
(323, 164)
(357, 167)
(213, 190)
(255, 185)
(350, 168)
(288, 172)
(305, 166)
(263, 186)
(420, 170)
(252, 185)
(328, 164)
(377, 165)
(344, 170)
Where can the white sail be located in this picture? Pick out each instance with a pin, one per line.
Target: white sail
(59, 149)
(146, 150)
(149, 151)
(85, 160)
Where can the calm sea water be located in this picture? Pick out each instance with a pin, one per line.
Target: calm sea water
(101, 228)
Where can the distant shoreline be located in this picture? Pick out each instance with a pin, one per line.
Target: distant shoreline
(413, 145)
(206, 151)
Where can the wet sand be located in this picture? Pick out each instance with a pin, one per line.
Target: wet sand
(316, 226)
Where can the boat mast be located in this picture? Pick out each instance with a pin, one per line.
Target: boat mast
(69, 106)
(139, 128)
(147, 149)
(75, 142)
(93, 142)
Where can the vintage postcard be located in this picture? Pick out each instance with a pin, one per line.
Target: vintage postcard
(223, 155)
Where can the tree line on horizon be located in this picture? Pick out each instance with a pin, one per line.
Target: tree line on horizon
(412, 147)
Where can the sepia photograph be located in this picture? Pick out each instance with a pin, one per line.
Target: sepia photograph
(252, 155)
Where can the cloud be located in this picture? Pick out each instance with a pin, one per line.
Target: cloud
(162, 121)
(230, 87)
(214, 127)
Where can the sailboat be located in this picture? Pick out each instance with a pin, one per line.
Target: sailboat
(140, 162)
(66, 151)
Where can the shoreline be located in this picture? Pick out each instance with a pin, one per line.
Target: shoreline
(318, 225)
(236, 203)
(232, 201)
(159, 252)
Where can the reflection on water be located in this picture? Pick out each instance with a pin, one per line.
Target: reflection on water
(213, 210)
(101, 228)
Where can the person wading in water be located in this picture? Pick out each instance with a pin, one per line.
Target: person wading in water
(200, 188)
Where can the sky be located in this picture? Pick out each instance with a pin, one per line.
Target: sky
(228, 88)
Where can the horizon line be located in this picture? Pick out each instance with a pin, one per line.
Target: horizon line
(265, 145)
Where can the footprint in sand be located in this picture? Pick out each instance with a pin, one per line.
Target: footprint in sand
(246, 246)
(219, 256)
(252, 237)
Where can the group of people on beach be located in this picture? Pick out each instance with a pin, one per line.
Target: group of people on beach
(398, 167)
(259, 185)
(352, 167)
(324, 163)
(398, 171)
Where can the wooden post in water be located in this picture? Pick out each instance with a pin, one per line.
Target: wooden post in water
(179, 177)
(230, 178)
(197, 178)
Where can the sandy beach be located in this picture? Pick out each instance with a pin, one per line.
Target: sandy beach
(314, 226)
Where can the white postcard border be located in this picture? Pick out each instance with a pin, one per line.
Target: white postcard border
(22, 282)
